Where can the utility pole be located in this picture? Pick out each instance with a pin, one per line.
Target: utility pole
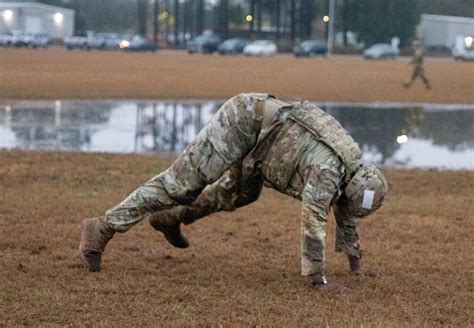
(332, 18)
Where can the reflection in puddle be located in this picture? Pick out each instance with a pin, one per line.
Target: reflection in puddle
(389, 134)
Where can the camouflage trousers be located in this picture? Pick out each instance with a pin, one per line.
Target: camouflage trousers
(418, 71)
(219, 148)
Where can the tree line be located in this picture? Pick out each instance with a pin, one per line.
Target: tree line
(281, 20)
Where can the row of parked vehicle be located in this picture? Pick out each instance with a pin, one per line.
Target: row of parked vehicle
(9, 38)
(108, 41)
(209, 44)
(205, 44)
(463, 49)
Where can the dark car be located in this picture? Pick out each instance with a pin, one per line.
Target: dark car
(311, 48)
(138, 43)
(233, 46)
(205, 44)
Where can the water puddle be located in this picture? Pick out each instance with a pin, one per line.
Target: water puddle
(413, 135)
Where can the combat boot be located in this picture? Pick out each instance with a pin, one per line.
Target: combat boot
(170, 226)
(95, 235)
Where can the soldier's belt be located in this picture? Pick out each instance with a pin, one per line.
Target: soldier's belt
(265, 111)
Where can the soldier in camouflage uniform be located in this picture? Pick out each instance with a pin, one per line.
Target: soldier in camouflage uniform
(418, 70)
(255, 140)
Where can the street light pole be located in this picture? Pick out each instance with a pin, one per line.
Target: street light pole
(332, 17)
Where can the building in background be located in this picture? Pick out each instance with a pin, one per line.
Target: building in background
(437, 31)
(31, 17)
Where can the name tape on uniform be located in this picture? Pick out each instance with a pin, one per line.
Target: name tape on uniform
(368, 200)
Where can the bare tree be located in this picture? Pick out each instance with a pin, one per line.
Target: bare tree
(293, 20)
(278, 18)
(156, 26)
(200, 17)
(142, 17)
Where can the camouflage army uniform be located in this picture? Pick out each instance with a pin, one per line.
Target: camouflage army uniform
(301, 151)
(418, 70)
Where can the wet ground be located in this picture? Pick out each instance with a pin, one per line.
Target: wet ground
(392, 134)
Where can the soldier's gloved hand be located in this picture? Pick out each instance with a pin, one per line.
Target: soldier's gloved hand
(319, 282)
(355, 264)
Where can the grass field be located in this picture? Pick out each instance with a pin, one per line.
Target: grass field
(61, 74)
(243, 268)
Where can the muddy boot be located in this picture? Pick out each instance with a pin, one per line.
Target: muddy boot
(166, 222)
(95, 235)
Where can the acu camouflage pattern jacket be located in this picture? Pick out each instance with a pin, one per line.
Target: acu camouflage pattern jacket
(305, 153)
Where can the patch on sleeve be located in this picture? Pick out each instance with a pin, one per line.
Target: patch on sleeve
(368, 200)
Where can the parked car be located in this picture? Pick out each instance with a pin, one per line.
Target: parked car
(463, 48)
(95, 41)
(10, 38)
(3, 37)
(205, 44)
(79, 41)
(261, 48)
(381, 51)
(40, 40)
(233, 46)
(138, 43)
(106, 41)
(311, 48)
(25, 39)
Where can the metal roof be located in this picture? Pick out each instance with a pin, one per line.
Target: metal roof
(14, 5)
(449, 19)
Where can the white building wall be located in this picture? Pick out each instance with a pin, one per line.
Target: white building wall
(58, 22)
(440, 31)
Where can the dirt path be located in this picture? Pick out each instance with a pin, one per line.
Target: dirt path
(52, 74)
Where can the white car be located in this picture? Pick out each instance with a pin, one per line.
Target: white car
(11, 38)
(381, 51)
(463, 48)
(40, 40)
(261, 48)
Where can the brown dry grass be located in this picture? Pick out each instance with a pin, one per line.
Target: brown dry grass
(61, 74)
(242, 268)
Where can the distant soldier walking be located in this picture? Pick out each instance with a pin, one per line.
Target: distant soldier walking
(417, 62)
(254, 140)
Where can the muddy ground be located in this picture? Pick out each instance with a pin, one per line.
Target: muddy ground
(51, 74)
(242, 267)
